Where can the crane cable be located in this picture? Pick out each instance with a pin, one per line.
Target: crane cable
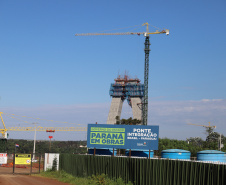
(156, 27)
(129, 27)
(17, 119)
(11, 115)
(119, 28)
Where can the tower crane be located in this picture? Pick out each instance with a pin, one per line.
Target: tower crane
(206, 126)
(39, 128)
(4, 130)
(47, 129)
(146, 65)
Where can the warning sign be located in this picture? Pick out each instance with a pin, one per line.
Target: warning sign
(22, 158)
(3, 158)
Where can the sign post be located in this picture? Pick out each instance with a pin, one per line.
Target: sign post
(50, 137)
(16, 146)
(113, 152)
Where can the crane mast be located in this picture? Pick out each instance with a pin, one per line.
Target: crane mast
(146, 75)
(3, 131)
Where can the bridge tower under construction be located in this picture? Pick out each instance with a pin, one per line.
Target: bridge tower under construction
(125, 88)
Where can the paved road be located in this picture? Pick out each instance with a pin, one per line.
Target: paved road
(10, 179)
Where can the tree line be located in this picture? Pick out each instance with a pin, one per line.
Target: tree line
(192, 144)
(42, 146)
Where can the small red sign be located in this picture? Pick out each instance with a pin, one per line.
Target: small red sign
(50, 137)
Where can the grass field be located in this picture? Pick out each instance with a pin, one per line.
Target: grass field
(94, 180)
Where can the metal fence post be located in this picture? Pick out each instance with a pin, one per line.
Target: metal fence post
(31, 163)
(14, 160)
(39, 161)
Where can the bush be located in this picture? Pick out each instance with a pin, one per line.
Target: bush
(54, 167)
(93, 180)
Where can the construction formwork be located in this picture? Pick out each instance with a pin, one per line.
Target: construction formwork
(125, 88)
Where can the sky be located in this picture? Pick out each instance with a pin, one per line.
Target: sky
(47, 72)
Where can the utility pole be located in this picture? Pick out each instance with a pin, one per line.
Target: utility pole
(219, 143)
(34, 142)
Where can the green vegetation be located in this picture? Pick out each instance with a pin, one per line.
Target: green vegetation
(194, 144)
(26, 146)
(54, 167)
(93, 180)
(129, 121)
(165, 144)
(3, 144)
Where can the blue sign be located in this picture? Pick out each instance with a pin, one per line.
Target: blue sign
(123, 136)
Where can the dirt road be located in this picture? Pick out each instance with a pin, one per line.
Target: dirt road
(7, 177)
(10, 179)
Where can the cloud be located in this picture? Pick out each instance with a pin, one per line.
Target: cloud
(211, 100)
(171, 116)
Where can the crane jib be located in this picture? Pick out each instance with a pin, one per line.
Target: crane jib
(125, 33)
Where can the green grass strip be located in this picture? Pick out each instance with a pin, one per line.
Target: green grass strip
(62, 176)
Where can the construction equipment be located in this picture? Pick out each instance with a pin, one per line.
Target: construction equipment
(39, 128)
(146, 65)
(4, 130)
(206, 126)
(47, 129)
